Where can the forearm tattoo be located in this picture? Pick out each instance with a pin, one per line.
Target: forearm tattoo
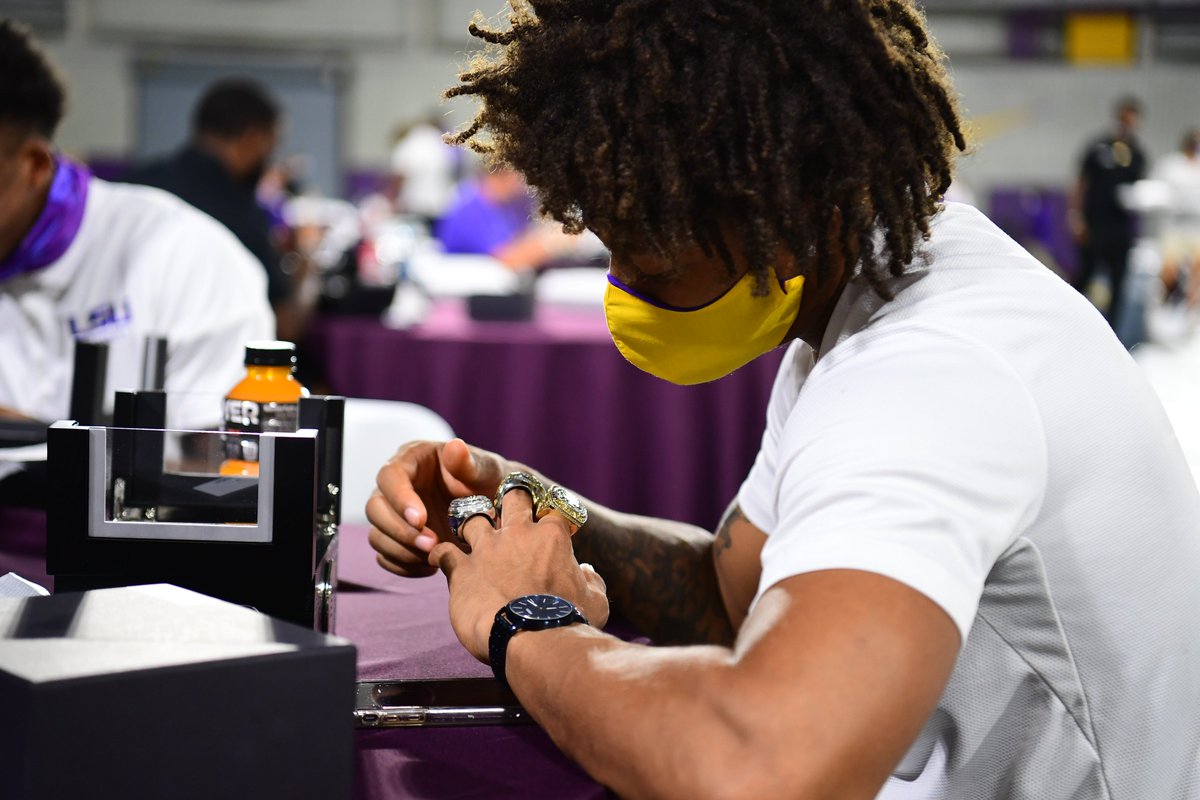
(724, 538)
(660, 576)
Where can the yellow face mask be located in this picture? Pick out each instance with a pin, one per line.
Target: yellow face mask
(696, 345)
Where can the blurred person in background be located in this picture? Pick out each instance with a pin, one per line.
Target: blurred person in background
(1103, 228)
(280, 184)
(493, 215)
(1180, 240)
(82, 259)
(235, 129)
(426, 170)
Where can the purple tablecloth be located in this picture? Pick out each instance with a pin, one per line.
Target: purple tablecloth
(555, 393)
(23, 544)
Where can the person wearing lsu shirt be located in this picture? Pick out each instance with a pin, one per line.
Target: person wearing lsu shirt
(82, 259)
(965, 563)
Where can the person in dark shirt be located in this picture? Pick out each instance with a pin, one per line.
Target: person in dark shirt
(235, 128)
(1103, 228)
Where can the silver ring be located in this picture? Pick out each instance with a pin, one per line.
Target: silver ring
(463, 509)
(521, 480)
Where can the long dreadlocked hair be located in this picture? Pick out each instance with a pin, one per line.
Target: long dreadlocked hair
(818, 128)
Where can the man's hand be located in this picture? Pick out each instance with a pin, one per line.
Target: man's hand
(415, 487)
(521, 556)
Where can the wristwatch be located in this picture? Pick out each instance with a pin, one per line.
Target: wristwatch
(533, 612)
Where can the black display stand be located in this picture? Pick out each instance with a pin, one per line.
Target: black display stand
(118, 519)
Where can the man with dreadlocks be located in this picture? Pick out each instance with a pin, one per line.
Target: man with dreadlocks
(939, 579)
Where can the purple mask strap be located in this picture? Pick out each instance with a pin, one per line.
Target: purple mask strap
(617, 282)
(57, 225)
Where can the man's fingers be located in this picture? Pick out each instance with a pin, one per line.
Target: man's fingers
(397, 552)
(418, 571)
(593, 579)
(596, 605)
(553, 516)
(478, 525)
(446, 557)
(384, 515)
(388, 520)
(517, 506)
(396, 482)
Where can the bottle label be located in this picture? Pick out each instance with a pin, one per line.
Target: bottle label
(248, 416)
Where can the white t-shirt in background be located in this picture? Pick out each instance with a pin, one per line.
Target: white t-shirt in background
(985, 439)
(143, 263)
(1182, 174)
(428, 166)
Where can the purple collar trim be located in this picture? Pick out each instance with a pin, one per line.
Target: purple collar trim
(57, 225)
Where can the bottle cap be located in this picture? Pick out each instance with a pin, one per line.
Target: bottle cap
(267, 353)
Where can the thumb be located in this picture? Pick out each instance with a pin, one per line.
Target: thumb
(597, 601)
(446, 557)
(593, 579)
(460, 472)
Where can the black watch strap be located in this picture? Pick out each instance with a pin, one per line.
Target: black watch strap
(503, 630)
(507, 624)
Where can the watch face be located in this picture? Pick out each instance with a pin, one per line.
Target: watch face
(541, 607)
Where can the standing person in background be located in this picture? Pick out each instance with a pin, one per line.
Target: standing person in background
(1181, 232)
(235, 128)
(1101, 225)
(82, 259)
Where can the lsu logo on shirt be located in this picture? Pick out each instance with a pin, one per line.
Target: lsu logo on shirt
(102, 323)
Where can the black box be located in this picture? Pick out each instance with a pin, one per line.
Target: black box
(501, 307)
(159, 692)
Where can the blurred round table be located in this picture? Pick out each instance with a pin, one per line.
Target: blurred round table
(554, 392)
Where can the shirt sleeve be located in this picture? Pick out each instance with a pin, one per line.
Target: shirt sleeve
(915, 454)
(206, 294)
(255, 234)
(475, 226)
(756, 497)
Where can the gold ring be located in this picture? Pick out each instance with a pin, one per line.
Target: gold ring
(521, 480)
(564, 502)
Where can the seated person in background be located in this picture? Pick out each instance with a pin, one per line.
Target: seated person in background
(82, 259)
(966, 561)
(493, 216)
(235, 128)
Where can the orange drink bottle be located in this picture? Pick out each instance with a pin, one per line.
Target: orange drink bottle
(266, 400)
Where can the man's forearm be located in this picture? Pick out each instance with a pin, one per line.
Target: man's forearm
(641, 720)
(660, 576)
(830, 681)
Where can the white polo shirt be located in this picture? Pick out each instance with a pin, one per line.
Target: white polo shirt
(143, 263)
(985, 439)
(1182, 174)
